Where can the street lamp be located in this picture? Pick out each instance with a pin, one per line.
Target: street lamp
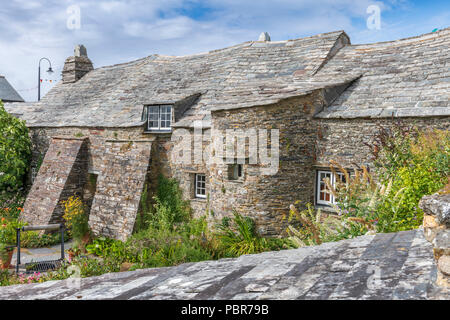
(50, 71)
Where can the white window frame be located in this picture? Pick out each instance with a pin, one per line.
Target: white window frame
(160, 115)
(198, 193)
(333, 183)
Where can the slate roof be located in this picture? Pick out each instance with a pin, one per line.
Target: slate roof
(7, 92)
(114, 96)
(382, 266)
(404, 78)
(409, 77)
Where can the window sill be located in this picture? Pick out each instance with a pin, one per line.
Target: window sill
(327, 209)
(235, 181)
(198, 199)
(158, 131)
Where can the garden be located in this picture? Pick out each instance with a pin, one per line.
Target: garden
(408, 164)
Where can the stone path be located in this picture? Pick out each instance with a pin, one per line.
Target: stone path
(40, 254)
(384, 266)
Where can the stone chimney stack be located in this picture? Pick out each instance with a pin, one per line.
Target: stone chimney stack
(77, 66)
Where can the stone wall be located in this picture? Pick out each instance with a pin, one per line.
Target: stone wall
(61, 175)
(119, 187)
(436, 224)
(264, 197)
(306, 144)
(184, 171)
(343, 140)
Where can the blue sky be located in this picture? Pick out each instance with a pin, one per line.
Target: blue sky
(118, 31)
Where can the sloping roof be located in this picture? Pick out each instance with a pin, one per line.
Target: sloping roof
(404, 78)
(7, 92)
(114, 96)
(382, 266)
(408, 77)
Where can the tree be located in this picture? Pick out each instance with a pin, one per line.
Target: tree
(15, 151)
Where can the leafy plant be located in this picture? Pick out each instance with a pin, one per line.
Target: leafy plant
(15, 151)
(76, 220)
(237, 236)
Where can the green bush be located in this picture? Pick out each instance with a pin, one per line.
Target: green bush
(237, 236)
(15, 151)
(167, 209)
(409, 164)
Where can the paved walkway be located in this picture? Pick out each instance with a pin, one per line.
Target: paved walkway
(384, 266)
(40, 254)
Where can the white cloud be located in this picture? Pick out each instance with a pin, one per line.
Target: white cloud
(120, 30)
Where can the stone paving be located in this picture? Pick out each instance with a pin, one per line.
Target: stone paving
(383, 266)
(40, 254)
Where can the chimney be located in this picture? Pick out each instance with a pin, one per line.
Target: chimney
(264, 36)
(77, 66)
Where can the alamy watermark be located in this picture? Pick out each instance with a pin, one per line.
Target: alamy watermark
(374, 20)
(74, 17)
(230, 146)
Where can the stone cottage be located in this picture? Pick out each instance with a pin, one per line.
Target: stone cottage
(289, 106)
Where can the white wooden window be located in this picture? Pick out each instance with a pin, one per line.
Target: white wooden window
(159, 118)
(323, 194)
(200, 185)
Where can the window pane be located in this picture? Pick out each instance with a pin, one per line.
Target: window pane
(200, 185)
(323, 193)
(153, 117)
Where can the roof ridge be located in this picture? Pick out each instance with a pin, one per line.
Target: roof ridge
(243, 44)
(407, 39)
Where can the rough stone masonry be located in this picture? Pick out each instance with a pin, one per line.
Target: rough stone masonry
(436, 224)
(326, 97)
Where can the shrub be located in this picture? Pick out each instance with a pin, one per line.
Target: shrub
(391, 204)
(311, 227)
(168, 209)
(76, 219)
(237, 236)
(15, 151)
(422, 168)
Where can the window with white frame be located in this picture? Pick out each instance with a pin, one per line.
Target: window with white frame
(200, 185)
(159, 118)
(323, 193)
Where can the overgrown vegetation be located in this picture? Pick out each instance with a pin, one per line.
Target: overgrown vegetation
(408, 164)
(76, 222)
(15, 152)
(165, 235)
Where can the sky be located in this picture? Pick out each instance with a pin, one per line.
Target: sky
(120, 31)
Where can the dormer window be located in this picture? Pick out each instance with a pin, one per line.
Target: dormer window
(159, 118)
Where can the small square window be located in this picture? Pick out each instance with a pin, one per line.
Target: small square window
(159, 118)
(235, 171)
(200, 185)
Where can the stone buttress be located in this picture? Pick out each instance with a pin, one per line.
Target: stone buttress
(62, 174)
(120, 183)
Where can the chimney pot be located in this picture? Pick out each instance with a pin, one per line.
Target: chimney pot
(80, 51)
(264, 36)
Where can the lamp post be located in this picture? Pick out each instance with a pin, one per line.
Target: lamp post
(39, 75)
